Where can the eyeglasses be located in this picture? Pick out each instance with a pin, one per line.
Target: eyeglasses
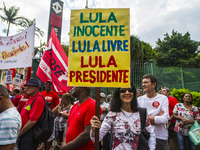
(124, 90)
(146, 82)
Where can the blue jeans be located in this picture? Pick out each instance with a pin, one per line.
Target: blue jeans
(182, 142)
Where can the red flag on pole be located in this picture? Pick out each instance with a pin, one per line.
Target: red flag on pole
(28, 74)
(54, 64)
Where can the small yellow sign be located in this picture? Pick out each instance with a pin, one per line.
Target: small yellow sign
(28, 107)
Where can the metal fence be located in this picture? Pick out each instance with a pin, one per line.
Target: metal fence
(179, 77)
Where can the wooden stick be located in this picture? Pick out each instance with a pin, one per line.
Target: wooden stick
(97, 113)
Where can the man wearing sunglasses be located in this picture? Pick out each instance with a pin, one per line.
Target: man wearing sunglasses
(49, 95)
(157, 109)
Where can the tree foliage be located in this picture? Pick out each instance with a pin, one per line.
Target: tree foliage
(178, 94)
(177, 50)
(141, 50)
(65, 48)
(27, 23)
(10, 15)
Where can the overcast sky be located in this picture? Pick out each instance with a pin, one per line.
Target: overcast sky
(149, 19)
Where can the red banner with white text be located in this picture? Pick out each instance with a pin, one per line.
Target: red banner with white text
(54, 64)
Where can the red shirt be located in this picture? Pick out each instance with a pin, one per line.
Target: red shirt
(22, 102)
(79, 117)
(172, 102)
(34, 113)
(51, 97)
(16, 100)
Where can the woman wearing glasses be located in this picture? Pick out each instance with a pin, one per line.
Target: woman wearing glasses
(124, 121)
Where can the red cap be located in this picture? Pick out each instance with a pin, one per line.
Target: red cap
(61, 92)
(49, 81)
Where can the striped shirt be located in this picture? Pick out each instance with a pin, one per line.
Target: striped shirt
(10, 124)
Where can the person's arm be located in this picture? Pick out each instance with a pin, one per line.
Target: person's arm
(163, 117)
(55, 110)
(65, 115)
(104, 127)
(64, 134)
(80, 140)
(104, 109)
(7, 147)
(27, 127)
(177, 117)
(95, 123)
(56, 100)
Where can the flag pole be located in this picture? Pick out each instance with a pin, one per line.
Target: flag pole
(97, 113)
(86, 6)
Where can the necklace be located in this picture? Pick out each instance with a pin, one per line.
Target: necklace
(126, 115)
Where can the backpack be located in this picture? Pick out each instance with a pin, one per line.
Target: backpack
(144, 135)
(43, 128)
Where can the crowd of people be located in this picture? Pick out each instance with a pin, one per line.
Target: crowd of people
(166, 124)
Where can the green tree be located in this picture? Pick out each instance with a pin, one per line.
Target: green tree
(27, 23)
(10, 15)
(40, 49)
(65, 48)
(177, 49)
(141, 50)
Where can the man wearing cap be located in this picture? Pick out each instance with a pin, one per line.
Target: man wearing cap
(105, 107)
(10, 120)
(30, 115)
(77, 131)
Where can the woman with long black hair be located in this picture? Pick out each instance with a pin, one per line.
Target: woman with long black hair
(124, 120)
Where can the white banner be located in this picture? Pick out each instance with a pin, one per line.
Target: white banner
(17, 51)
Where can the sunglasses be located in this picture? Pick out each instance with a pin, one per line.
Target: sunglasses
(124, 90)
(48, 83)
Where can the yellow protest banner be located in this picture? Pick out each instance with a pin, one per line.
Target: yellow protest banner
(99, 52)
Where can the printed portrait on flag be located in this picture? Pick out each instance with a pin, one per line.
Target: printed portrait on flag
(99, 53)
(54, 64)
(17, 51)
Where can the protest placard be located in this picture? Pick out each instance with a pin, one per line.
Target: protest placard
(99, 53)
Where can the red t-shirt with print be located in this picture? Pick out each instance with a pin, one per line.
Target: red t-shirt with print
(80, 116)
(34, 113)
(22, 102)
(51, 97)
(16, 100)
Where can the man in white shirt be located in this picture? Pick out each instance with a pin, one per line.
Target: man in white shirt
(10, 120)
(157, 109)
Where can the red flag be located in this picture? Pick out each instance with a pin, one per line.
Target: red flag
(28, 74)
(54, 64)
